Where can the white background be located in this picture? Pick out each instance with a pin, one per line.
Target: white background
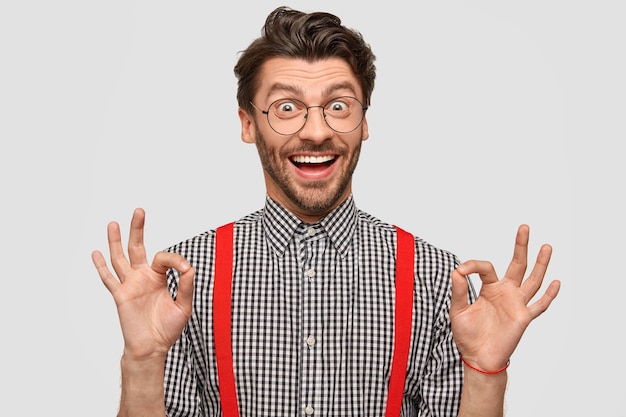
(485, 115)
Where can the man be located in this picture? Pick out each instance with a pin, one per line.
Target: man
(306, 308)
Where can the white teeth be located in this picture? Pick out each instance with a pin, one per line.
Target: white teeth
(302, 159)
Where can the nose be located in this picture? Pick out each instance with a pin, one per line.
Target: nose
(315, 128)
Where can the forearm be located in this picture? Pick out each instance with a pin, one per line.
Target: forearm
(142, 387)
(482, 395)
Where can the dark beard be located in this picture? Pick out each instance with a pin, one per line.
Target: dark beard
(316, 205)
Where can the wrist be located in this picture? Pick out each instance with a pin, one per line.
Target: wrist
(142, 365)
(139, 355)
(483, 371)
(142, 385)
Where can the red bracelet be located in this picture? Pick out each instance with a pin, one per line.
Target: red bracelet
(487, 372)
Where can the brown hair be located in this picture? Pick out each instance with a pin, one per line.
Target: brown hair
(311, 36)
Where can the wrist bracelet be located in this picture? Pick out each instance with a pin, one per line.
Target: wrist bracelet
(487, 372)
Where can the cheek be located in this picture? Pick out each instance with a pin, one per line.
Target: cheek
(269, 150)
(354, 142)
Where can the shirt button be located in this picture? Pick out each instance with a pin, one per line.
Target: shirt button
(310, 341)
(310, 273)
(310, 231)
(308, 410)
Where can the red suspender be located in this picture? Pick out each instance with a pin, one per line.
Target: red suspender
(222, 298)
(403, 320)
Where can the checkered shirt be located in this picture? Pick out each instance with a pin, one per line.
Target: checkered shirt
(313, 321)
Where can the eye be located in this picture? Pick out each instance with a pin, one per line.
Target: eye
(340, 107)
(287, 108)
(337, 106)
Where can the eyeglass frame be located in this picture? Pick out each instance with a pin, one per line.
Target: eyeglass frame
(306, 115)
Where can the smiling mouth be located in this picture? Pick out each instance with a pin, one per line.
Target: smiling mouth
(308, 161)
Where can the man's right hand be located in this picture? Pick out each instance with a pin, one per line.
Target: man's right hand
(151, 320)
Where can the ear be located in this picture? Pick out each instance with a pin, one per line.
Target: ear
(248, 126)
(366, 133)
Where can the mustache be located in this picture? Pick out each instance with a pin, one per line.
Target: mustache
(313, 148)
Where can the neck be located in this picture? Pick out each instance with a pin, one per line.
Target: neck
(307, 215)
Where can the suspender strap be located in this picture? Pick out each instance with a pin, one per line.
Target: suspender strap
(403, 320)
(222, 308)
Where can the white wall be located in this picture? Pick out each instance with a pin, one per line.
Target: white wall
(485, 115)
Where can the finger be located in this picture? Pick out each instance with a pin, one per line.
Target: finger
(109, 281)
(459, 300)
(184, 297)
(535, 279)
(484, 269)
(541, 305)
(118, 259)
(136, 248)
(163, 261)
(519, 263)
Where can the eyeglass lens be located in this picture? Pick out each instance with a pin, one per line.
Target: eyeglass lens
(342, 114)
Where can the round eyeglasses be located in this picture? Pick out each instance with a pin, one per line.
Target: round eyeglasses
(287, 116)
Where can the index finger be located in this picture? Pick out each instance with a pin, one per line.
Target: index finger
(484, 269)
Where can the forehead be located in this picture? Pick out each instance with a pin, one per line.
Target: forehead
(307, 79)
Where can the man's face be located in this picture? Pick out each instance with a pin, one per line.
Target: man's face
(310, 171)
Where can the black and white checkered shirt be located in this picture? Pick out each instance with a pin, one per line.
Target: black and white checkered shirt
(312, 321)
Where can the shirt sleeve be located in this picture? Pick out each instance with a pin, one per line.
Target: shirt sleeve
(441, 379)
(190, 380)
(180, 382)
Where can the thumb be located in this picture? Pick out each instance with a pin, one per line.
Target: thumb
(185, 289)
(460, 287)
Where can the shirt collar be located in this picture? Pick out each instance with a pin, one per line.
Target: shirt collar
(280, 225)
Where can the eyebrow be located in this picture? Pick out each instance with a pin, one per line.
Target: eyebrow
(299, 92)
(340, 86)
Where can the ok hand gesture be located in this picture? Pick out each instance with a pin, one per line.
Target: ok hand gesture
(151, 320)
(488, 331)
